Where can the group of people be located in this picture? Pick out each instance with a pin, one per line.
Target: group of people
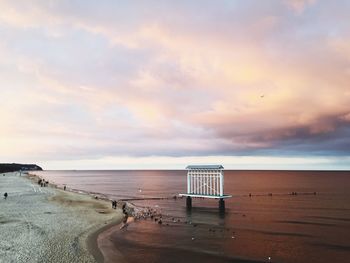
(43, 183)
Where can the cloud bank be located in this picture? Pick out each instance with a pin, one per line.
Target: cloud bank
(87, 80)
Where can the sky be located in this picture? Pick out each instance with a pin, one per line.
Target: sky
(162, 84)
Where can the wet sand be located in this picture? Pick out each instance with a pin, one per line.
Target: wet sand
(120, 246)
(156, 235)
(45, 224)
(284, 238)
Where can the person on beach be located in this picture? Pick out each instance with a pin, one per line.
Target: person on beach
(64, 188)
(5, 195)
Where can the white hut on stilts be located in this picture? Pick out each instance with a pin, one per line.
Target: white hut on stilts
(205, 181)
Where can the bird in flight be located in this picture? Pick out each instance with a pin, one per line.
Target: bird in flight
(262, 96)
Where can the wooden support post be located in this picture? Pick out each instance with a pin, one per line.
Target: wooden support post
(189, 203)
(222, 205)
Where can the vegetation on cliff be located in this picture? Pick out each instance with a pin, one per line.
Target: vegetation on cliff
(13, 167)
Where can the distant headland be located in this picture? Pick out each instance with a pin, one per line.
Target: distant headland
(13, 167)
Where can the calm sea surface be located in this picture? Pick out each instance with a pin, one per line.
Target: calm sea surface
(286, 228)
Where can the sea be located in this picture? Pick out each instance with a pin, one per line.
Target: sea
(263, 221)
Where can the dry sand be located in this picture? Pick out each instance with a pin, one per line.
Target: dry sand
(44, 224)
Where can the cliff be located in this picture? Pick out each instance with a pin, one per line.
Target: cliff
(13, 167)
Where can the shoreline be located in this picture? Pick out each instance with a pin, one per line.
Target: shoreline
(112, 240)
(105, 246)
(98, 241)
(43, 224)
(92, 239)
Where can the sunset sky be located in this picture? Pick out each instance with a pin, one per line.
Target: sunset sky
(162, 84)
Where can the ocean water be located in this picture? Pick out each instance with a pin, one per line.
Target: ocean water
(281, 227)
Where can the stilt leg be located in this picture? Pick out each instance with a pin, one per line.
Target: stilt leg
(222, 205)
(189, 203)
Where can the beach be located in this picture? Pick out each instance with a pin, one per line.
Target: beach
(46, 224)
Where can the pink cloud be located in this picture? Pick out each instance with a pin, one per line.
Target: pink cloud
(299, 6)
(228, 81)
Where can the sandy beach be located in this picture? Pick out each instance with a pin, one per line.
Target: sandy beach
(45, 224)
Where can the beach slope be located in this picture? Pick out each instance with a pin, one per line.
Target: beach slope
(45, 224)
